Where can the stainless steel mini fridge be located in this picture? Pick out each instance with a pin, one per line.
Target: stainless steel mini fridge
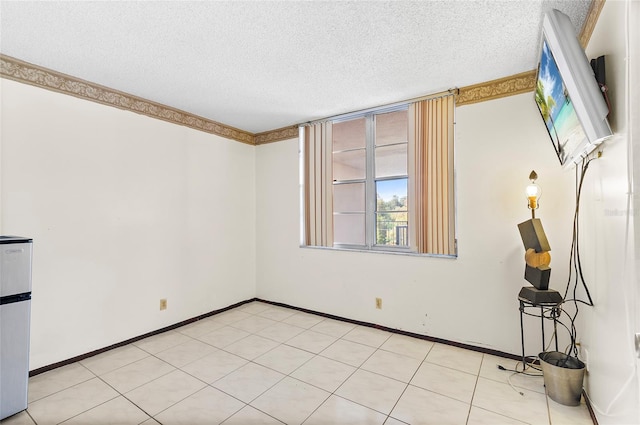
(15, 318)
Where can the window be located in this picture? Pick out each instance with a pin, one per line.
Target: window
(370, 181)
(381, 180)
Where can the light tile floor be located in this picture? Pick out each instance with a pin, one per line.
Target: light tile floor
(262, 364)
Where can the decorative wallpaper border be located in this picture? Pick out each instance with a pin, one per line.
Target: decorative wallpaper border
(590, 22)
(23, 72)
(526, 81)
(502, 87)
(277, 135)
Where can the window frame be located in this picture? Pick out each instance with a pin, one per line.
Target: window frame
(370, 183)
(432, 234)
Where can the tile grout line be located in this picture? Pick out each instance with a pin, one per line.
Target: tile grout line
(333, 393)
(546, 399)
(248, 404)
(63, 389)
(473, 394)
(29, 414)
(409, 383)
(74, 385)
(125, 397)
(154, 355)
(149, 354)
(376, 349)
(315, 355)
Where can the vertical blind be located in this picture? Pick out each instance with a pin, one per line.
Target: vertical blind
(431, 135)
(431, 127)
(318, 199)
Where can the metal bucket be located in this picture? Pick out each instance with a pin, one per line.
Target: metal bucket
(563, 376)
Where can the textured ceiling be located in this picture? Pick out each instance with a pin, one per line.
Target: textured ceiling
(260, 65)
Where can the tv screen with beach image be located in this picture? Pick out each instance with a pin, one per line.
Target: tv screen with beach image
(556, 108)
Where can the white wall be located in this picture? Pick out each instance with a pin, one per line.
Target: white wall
(610, 257)
(124, 210)
(471, 299)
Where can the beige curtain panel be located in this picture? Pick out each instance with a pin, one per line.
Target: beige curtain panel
(318, 185)
(431, 128)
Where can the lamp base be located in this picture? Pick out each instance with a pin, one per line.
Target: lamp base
(538, 276)
(533, 235)
(539, 296)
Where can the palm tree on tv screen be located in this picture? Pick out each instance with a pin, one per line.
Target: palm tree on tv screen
(546, 105)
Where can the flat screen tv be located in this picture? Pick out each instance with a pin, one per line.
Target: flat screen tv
(567, 94)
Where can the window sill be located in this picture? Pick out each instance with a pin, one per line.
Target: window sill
(379, 251)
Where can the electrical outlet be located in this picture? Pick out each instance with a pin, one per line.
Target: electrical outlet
(163, 304)
(379, 303)
(585, 358)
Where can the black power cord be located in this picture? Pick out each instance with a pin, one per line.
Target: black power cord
(575, 264)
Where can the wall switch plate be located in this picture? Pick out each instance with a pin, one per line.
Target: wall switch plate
(163, 304)
(379, 303)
